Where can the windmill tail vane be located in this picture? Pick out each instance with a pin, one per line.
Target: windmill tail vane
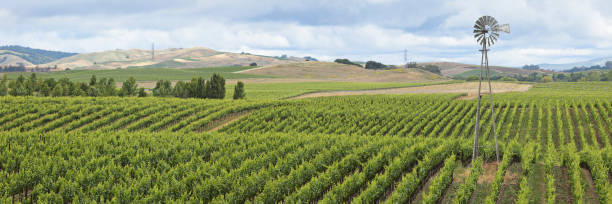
(486, 32)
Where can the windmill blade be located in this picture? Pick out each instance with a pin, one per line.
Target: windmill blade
(493, 22)
(486, 30)
(493, 38)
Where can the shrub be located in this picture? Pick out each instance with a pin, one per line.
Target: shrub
(374, 65)
(472, 78)
(507, 78)
(142, 93)
(346, 61)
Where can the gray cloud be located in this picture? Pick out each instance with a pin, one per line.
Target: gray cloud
(543, 31)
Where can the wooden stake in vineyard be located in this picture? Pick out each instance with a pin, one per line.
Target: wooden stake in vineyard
(486, 32)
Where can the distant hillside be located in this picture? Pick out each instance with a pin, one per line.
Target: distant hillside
(458, 69)
(342, 72)
(588, 63)
(14, 54)
(169, 58)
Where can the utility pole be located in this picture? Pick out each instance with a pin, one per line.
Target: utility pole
(152, 51)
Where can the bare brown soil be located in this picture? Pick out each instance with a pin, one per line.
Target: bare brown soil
(590, 192)
(471, 88)
(488, 172)
(563, 192)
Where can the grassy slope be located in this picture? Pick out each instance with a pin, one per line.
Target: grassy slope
(475, 73)
(143, 74)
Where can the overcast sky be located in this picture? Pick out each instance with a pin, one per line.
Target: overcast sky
(551, 31)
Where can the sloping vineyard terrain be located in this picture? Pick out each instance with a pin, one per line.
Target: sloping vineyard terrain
(555, 147)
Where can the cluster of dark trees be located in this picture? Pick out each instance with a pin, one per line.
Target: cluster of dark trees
(346, 61)
(196, 88)
(531, 67)
(584, 76)
(35, 86)
(375, 65)
(214, 88)
(309, 58)
(558, 77)
(607, 65)
(23, 68)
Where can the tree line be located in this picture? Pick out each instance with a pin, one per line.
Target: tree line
(36, 86)
(596, 75)
(22, 68)
(377, 65)
(197, 88)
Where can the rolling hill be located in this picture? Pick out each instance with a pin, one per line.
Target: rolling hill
(451, 69)
(342, 72)
(168, 58)
(16, 55)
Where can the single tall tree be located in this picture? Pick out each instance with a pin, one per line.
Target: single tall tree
(3, 86)
(93, 81)
(129, 88)
(239, 91)
(215, 87)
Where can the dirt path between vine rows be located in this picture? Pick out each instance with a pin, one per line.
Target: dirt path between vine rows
(471, 88)
(226, 120)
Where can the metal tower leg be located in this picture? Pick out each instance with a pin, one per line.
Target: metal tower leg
(492, 106)
(477, 125)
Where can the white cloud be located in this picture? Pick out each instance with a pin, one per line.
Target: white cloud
(542, 31)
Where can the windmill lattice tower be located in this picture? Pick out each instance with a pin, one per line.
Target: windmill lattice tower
(486, 32)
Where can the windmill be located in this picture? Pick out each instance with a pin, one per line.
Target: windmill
(486, 32)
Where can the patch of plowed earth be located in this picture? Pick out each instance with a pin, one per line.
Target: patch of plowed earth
(483, 185)
(563, 190)
(461, 172)
(471, 88)
(511, 186)
(590, 195)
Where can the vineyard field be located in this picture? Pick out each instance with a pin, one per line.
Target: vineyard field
(554, 143)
